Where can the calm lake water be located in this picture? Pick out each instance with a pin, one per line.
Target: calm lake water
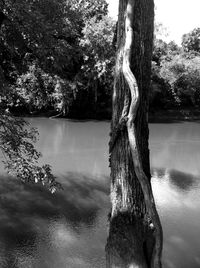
(69, 229)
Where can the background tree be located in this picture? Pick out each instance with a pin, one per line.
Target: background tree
(162, 95)
(43, 46)
(191, 40)
(182, 73)
(38, 34)
(98, 62)
(135, 236)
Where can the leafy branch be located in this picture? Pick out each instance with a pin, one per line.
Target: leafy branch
(20, 156)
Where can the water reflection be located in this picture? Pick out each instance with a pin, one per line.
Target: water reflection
(38, 229)
(74, 146)
(184, 182)
(176, 146)
(68, 229)
(178, 200)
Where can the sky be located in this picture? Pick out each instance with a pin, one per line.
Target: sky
(177, 16)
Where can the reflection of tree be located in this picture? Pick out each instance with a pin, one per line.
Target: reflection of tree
(177, 194)
(181, 180)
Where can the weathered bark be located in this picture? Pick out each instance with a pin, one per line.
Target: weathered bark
(135, 236)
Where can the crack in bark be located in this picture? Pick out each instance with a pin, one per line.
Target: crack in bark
(120, 127)
(130, 123)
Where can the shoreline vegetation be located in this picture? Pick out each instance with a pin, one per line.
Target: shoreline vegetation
(70, 73)
(175, 114)
(186, 114)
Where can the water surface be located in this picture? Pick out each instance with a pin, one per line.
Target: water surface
(69, 229)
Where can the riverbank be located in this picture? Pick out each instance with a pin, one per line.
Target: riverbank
(186, 114)
(174, 114)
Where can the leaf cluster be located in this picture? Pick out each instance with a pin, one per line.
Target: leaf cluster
(176, 72)
(20, 156)
(191, 41)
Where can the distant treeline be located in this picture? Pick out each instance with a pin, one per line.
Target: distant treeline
(57, 58)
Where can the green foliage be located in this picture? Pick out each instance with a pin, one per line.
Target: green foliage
(159, 51)
(183, 75)
(45, 30)
(35, 88)
(90, 8)
(191, 41)
(43, 55)
(95, 79)
(98, 50)
(162, 94)
(38, 90)
(20, 155)
(164, 51)
(175, 73)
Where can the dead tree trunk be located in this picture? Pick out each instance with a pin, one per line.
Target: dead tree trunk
(135, 235)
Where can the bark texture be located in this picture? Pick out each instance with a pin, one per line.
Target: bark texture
(135, 236)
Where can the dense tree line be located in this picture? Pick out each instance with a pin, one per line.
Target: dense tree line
(175, 74)
(57, 57)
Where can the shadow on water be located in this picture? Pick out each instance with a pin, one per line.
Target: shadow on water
(78, 202)
(178, 202)
(68, 229)
(26, 210)
(181, 180)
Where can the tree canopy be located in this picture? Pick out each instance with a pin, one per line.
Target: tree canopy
(44, 47)
(191, 41)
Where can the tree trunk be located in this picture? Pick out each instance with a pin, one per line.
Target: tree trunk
(135, 235)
